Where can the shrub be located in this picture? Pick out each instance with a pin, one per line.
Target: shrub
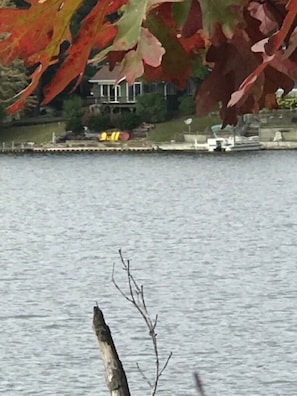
(72, 109)
(2, 113)
(99, 122)
(128, 121)
(186, 105)
(151, 107)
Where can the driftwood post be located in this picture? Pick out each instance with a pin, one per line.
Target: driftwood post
(115, 376)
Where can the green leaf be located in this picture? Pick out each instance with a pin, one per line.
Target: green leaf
(176, 66)
(180, 12)
(219, 11)
(130, 23)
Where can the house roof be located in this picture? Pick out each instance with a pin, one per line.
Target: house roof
(105, 75)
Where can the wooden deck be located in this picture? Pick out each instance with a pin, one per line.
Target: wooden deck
(84, 149)
(76, 149)
(29, 149)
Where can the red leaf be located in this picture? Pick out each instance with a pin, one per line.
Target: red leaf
(261, 12)
(269, 47)
(276, 40)
(232, 64)
(194, 20)
(234, 26)
(96, 32)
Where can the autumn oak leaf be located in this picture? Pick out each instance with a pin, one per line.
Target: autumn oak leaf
(97, 33)
(220, 12)
(250, 46)
(270, 49)
(149, 50)
(129, 26)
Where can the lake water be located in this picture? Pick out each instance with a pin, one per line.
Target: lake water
(211, 237)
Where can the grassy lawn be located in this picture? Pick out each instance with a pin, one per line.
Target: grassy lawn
(174, 129)
(163, 132)
(40, 133)
(166, 131)
(39, 130)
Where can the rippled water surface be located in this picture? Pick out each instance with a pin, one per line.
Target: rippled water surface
(212, 238)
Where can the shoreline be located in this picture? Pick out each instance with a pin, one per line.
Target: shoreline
(30, 148)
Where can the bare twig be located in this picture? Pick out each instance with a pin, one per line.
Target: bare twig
(144, 376)
(199, 385)
(136, 297)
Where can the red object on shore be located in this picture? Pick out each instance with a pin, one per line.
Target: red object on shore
(124, 136)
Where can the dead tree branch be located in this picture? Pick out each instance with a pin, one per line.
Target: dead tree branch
(199, 385)
(115, 376)
(136, 297)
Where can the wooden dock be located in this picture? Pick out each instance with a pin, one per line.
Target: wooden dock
(19, 149)
(53, 149)
(82, 149)
(15, 149)
(282, 145)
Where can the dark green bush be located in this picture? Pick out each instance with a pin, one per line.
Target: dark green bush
(99, 122)
(151, 107)
(72, 109)
(186, 105)
(2, 113)
(128, 121)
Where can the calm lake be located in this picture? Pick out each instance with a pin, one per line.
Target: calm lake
(211, 237)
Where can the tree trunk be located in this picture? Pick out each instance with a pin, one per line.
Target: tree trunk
(115, 376)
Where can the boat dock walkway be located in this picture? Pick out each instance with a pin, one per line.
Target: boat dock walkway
(282, 145)
(83, 149)
(179, 148)
(16, 149)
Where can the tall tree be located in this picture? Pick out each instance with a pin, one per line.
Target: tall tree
(13, 79)
(249, 45)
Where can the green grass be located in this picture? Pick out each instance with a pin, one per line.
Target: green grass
(174, 129)
(41, 133)
(166, 131)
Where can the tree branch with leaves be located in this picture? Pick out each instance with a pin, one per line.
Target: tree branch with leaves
(249, 46)
(13, 78)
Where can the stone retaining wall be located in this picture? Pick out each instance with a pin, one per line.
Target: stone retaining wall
(278, 134)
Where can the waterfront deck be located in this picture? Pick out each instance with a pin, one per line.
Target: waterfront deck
(74, 149)
(282, 145)
(179, 148)
(84, 149)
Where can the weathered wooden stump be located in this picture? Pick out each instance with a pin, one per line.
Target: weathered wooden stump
(115, 376)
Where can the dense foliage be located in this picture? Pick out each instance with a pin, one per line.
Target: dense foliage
(152, 107)
(99, 122)
(249, 45)
(186, 105)
(128, 121)
(73, 114)
(13, 78)
(2, 112)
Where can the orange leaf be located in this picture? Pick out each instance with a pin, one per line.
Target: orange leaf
(41, 28)
(96, 32)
